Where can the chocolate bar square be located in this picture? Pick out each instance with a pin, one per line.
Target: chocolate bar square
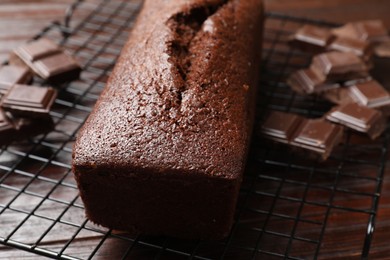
(46, 59)
(318, 135)
(59, 67)
(371, 94)
(311, 38)
(29, 101)
(280, 126)
(341, 95)
(11, 75)
(339, 66)
(359, 118)
(369, 30)
(37, 50)
(372, 30)
(344, 44)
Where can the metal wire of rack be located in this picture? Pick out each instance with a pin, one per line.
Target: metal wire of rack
(290, 207)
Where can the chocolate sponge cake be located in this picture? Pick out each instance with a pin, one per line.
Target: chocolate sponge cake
(163, 151)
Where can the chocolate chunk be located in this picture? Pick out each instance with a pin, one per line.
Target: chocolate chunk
(11, 75)
(37, 50)
(311, 38)
(29, 101)
(308, 81)
(57, 68)
(339, 66)
(344, 44)
(359, 118)
(370, 94)
(319, 136)
(370, 30)
(315, 135)
(280, 126)
(341, 95)
(48, 61)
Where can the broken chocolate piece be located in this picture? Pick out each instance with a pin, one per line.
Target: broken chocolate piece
(311, 38)
(315, 135)
(319, 136)
(47, 60)
(339, 66)
(370, 30)
(337, 96)
(370, 94)
(58, 68)
(308, 81)
(341, 95)
(11, 75)
(29, 101)
(344, 44)
(280, 126)
(37, 50)
(360, 118)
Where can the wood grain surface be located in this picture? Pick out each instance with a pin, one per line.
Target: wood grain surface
(22, 19)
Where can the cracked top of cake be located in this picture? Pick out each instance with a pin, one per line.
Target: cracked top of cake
(181, 94)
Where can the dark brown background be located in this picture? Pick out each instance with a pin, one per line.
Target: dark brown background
(21, 19)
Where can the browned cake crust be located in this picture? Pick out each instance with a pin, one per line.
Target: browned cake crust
(164, 150)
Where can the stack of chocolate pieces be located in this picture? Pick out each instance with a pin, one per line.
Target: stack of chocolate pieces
(25, 109)
(339, 73)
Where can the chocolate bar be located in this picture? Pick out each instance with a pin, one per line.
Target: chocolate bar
(311, 38)
(308, 81)
(47, 60)
(371, 94)
(11, 75)
(360, 118)
(315, 135)
(339, 66)
(29, 101)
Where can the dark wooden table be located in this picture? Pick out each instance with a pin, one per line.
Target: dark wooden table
(21, 19)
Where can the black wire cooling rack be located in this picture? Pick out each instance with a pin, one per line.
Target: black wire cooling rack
(290, 207)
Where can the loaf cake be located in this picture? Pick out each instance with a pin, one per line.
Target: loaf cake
(164, 149)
